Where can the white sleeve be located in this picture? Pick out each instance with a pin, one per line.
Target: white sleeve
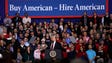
(102, 20)
(34, 54)
(29, 20)
(23, 20)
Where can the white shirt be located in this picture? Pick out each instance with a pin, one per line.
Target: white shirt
(26, 20)
(27, 44)
(53, 45)
(61, 27)
(102, 21)
(22, 46)
(37, 53)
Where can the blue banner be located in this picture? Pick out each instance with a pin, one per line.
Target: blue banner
(55, 8)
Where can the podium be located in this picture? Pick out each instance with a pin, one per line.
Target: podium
(56, 53)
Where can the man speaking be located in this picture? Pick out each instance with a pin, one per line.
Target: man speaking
(53, 53)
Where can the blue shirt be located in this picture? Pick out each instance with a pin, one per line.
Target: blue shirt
(91, 55)
(68, 30)
(68, 40)
(27, 44)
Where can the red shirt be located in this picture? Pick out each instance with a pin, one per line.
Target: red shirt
(42, 55)
(58, 41)
(64, 54)
(77, 48)
(6, 36)
(105, 48)
(81, 54)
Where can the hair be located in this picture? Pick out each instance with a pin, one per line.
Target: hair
(52, 35)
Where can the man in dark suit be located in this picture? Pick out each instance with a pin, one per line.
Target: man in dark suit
(54, 46)
(7, 57)
(105, 19)
(23, 52)
(85, 19)
(16, 19)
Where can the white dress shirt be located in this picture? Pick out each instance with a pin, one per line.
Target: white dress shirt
(61, 27)
(53, 45)
(37, 53)
(26, 20)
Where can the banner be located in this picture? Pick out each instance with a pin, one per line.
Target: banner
(55, 8)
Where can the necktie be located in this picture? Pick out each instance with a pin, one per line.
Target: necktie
(51, 46)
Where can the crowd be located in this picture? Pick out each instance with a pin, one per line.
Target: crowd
(24, 41)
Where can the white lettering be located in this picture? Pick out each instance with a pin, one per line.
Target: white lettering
(15, 8)
(89, 7)
(65, 7)
(37, 8)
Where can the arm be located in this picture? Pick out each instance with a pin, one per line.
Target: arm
(102, 21)
(29, 20)
(23, 20)
(94, 53)
(4, 21)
